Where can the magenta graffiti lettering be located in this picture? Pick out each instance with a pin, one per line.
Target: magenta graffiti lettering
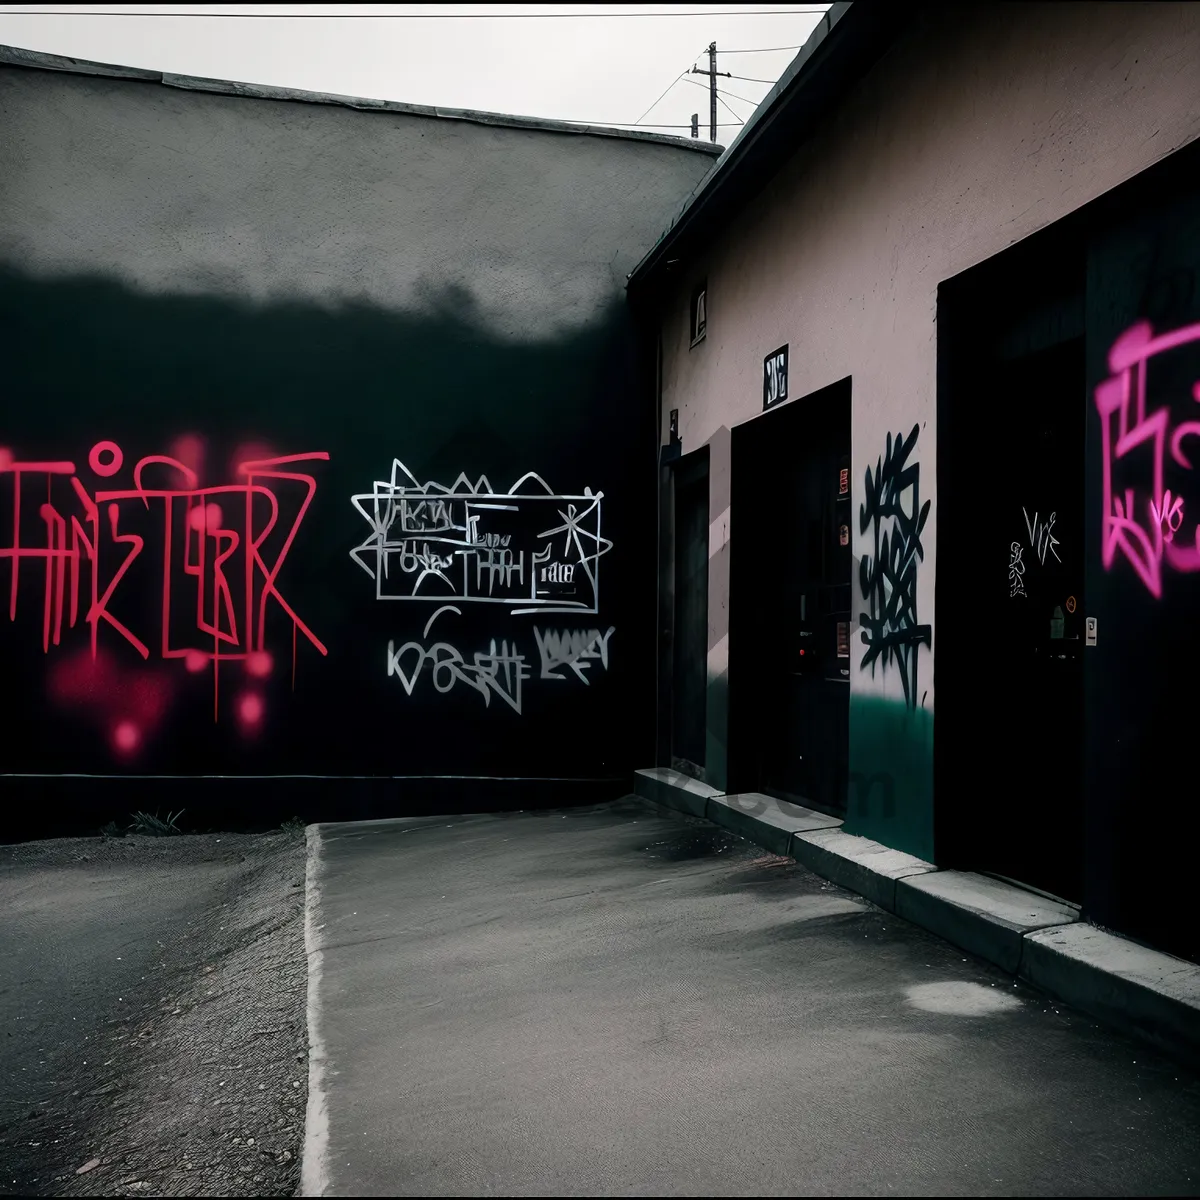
(1169, 515)
(1134, 444)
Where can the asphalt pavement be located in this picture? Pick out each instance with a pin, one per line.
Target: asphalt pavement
(622, 1000)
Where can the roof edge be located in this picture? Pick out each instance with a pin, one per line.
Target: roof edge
(759, 119)
(15, 56)
(38, 60)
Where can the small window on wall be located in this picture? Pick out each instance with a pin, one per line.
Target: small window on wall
(699, 312)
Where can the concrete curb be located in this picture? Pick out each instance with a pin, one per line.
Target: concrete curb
(1134, 989)
(674, 790)
(869, 868)
(763, 819)
(979, 914)
(314, 1159)
(1154, 995)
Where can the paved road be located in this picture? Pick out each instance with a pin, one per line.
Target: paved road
(620, 1000)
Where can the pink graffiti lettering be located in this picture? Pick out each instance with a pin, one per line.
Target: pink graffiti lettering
(232, 540)
(1169, 515)
(1127, 430)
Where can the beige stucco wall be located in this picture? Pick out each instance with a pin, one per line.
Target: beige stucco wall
(972, 133)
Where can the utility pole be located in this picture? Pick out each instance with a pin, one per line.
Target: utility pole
(712, 74)
(695, 125)
(712, 91)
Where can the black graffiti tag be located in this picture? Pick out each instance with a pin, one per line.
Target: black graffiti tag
(889, 578)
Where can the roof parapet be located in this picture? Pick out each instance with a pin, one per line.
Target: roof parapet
(37, 60)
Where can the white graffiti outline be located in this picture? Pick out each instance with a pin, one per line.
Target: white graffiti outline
(402, 498)
(1016, 570)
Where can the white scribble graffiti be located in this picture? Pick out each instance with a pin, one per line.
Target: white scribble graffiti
(501, 669)
(528, 547)
(1016, 570)
(1041, 539)
(498, 672)
(574, 648)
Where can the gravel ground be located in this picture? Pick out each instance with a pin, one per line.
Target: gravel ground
(154, 995)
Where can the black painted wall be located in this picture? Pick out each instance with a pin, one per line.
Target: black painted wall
(1120, 273)
(381, 287)
(1141, 706)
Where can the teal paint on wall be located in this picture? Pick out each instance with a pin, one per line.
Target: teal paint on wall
(891, 774)
(716, 741)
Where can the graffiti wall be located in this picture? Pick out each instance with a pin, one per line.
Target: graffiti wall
(893, 516)
(137, 575)
(1145, 468)
(235, 595)
(301, 485)
(959, 489)
(891, 714)
(1143, 536)
(470, 545)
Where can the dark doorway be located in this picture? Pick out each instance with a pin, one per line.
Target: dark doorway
(790, 599)
(1011, 610)
(689, 660)
(1144, 274)
(1033, 721)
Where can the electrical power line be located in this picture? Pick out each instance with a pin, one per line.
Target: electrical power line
(729, 110)
(682, 74)
(483, 16)
(717, 93)
(642, 124)
(668, 88)
(731, 95)
(735, 96)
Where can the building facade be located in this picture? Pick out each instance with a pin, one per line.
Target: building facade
(324, 468)
(929, 342)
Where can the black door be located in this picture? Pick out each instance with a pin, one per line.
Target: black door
(689, 665)
(1031, 725)
(790, 600)
(1141, 712)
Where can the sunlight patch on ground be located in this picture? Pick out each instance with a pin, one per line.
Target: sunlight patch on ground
(958, 999)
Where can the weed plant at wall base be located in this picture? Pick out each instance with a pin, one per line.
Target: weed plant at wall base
(152, 825)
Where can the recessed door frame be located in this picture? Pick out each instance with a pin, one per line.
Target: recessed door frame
(754, 532)
(990, 319)
(685, 661)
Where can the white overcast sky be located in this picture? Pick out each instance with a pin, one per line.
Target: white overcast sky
(510, 58)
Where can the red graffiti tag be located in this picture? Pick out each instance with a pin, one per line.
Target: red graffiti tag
(1125, 427)
(227, 542)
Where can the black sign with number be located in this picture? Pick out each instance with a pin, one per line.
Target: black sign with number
(775, 373)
